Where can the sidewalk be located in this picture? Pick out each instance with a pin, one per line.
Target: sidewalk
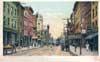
(24, 48)
(84, 52)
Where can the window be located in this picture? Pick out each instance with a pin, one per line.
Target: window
(93, 13)
(15, 24)
(4, 6)
(12, 24)
(4, 20)
(93, 24)
(11, 10)
(38, 23)
(8, 9)
(96, 10)
(93, 3)
(15, 11)
(38, 36)
(96, 23)
(8, 21)
(26, 13)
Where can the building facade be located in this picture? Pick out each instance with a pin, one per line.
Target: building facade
(39, 23)
(46, 35)
(77, 19)
(85, 23)
(28, 26)
(94, 15)
(10, 23)
(34, 36)
(20, 10)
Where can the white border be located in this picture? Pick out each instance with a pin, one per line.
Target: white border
(42, 58)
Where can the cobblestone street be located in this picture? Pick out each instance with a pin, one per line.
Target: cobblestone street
(49, 51)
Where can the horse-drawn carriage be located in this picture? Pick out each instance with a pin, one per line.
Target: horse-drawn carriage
(9, 49)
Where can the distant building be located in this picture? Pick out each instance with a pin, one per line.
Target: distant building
(28, 26)
(46, 34)
(39, 27)
(34, 36)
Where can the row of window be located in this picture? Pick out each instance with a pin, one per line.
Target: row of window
(6, 21)
(95, 11)
(95, 24)
(10, 10)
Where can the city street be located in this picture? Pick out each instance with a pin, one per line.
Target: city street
(43, 51)
(50, 28)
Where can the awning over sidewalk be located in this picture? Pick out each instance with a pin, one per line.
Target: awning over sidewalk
(71, 37)
(91, 36)
(34, 37)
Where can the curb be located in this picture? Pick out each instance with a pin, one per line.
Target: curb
(73, 53)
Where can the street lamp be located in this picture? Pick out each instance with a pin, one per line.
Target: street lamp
(65, 30)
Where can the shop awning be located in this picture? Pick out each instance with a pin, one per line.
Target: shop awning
(91, 36)
(71, 37)
(34, 37)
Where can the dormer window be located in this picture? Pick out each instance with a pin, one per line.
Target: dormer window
(25, 13)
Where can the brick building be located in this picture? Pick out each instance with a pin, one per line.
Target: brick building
(28, 26)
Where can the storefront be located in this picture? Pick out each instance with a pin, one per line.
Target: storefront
(9, 37)
(93, 41)
(74, 39)
(34, 41)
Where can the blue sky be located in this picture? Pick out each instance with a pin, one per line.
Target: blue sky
(43, 7)
(53, 13)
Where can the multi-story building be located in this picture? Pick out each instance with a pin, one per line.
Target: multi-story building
(39, 24)
(85, 21)
(92, 38)
(28, 26)
(71, 24)
(34, 36)
(89, 22)
(20, 21)
(85, 15)
(82, 13)
(46, 35)
(77, 19)
(10, 22)
(94, 15)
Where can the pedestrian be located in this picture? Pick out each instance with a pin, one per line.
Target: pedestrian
(87, 46)
(75, 45)
(91, 46)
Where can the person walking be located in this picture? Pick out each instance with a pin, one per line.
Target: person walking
(87, 46)
(75, 46)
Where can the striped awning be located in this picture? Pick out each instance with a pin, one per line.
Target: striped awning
(91, 36)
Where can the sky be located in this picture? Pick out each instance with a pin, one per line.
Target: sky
(53, 14)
